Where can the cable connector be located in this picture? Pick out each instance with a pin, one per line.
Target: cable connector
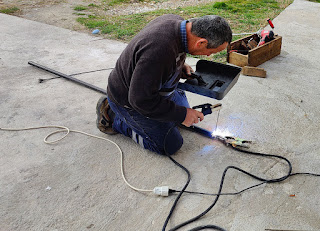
(161, 191)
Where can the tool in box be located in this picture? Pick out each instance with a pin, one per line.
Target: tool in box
(263, 36)
(253, 50)
(201, 82)
(211, 79)
(266, 36)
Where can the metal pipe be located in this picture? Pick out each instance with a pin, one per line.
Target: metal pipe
(68, 77)
(199, 130)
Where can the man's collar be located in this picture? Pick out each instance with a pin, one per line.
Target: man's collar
(183, 31)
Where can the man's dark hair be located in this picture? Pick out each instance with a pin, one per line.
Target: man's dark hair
(213, 28)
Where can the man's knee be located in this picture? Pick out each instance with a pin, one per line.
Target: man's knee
(172, 141)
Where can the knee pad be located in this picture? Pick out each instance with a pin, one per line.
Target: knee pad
(172, 141)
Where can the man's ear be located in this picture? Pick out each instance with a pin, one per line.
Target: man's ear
(202, 43)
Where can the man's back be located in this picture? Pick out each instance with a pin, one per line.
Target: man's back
(145, 65)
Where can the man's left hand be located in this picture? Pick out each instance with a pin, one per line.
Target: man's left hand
(186, 71)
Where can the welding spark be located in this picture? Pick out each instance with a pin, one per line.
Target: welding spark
(221, 133)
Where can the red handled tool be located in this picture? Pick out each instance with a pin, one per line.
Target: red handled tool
(270, 23)
(266, 36)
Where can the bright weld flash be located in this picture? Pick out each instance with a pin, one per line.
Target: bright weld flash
(222, 133)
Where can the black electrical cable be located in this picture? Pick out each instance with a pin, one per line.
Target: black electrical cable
(180, 194)
(43, 80)
(80, 73)
(220, 188)
(239, 192)
(305, 173)
(265, 155)
(207, 227)
(104, 69)
(221, 194)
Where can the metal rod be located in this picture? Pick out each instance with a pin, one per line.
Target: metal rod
(193, 128)
(199, 130)
(68, 77)
(217, 121)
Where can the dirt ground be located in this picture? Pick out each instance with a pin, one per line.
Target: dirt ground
(61, 13)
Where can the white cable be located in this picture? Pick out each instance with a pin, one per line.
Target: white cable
(67, 130)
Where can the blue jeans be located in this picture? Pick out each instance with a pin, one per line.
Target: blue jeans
(156, 136)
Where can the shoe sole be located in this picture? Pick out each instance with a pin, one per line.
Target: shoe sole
(100, 126)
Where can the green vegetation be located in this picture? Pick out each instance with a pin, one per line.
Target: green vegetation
(243, 16)
(10, 10)
(117, 2)
(80, 8)
(93, 5)
(314, 1)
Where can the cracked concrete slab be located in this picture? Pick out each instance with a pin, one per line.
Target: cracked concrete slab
(76, 183)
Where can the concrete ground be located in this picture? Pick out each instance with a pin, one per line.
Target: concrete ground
(76, 183)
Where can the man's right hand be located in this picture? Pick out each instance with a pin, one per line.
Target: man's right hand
(192, 117)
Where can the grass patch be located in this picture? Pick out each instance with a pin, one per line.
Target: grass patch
(80, 14)
(314, 1)
(10, 10)
(117, 2)
(243, 16)
(93, 5)
(80, 8)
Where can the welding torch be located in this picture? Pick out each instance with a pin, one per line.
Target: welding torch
(208, 108)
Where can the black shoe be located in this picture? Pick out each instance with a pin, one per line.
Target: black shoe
(105, 116)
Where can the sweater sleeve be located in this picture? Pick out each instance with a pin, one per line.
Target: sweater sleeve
(146, 81)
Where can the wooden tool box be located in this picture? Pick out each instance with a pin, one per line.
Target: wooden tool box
(255, 56)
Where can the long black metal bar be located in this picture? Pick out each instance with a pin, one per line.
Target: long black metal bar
(193, 128)
(199, 130)
(68, 77)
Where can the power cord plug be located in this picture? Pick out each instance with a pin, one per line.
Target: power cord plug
(161, 191)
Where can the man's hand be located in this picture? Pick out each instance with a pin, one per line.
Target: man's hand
(192, 117)
(186, 71)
